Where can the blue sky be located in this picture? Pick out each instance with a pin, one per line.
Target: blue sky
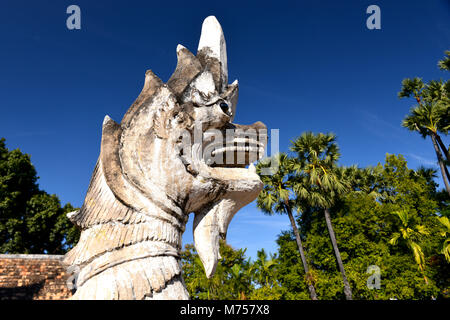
(301, 65)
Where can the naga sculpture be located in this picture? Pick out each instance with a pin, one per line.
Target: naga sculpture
(165, 160)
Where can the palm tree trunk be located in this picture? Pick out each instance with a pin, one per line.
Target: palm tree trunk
(444, 170)
(447, 155)
(443, 147)
(312, 290)
(347, 289)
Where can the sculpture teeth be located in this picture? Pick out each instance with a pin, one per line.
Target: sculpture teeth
(260, 150)
(248, 141)
(206, 239)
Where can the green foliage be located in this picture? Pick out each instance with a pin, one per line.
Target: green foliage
(382, 201)
(364, 225)
(31, 221)
(318, 181)
(411, 233)
(446, 234)
(277, 194)
(411, 87)
(264, 269)
(264, 278)
(427, 119)
(444, 64)
(289, 268)
(236, 277)
(232, 279)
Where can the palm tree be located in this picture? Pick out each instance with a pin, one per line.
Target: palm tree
(411, 234)
(320, 182)
(444, 64)
(275, 197)
(431, 115)
(425, 119)
(435, 97)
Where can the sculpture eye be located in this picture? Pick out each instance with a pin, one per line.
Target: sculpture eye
(224, 107)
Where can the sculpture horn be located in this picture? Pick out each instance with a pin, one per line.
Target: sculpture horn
(151, 85)
(212, 52)
(188, 67)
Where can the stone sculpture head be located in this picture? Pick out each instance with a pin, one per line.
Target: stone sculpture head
(175, 152)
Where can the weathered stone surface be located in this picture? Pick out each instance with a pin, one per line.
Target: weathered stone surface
(188, 67)
(169, 157)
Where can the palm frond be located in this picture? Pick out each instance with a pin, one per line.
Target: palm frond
(394, 239)
(446, 249)
(444, 64)
(445, 222)
(411, 87)
(421, 229)
(419, 257)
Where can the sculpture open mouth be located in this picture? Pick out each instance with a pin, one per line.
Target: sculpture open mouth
(237, 146)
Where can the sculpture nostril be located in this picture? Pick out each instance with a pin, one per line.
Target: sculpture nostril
(224, 107)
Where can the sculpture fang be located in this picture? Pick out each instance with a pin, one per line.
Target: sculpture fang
(167, 158)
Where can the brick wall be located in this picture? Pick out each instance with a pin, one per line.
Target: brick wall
(32, 277)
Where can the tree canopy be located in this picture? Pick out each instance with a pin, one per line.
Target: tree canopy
(31, 220)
